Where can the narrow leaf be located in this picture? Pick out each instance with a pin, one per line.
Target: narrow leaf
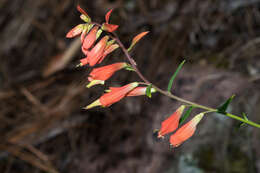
(186, 115)
(174, 76)
(148, 91)
(241, 123)
(244, 116)
(136, 39)
(222, 109)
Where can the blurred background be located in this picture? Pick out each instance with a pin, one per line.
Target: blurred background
(44, 129)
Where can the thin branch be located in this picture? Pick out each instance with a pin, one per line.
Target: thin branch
(170, 95)
(166, 93)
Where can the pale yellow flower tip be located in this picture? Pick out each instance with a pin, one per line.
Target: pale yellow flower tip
(153, 90)
(107, 91)
(134, 84)
(181, 108)
(94, 104)
(197, 118)
(79, 65)
(95, 82)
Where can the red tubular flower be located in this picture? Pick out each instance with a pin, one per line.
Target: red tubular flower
(108, 15)
(86, 17)
(137, 38)
(101, 74)
(109, 27)
(186, 131)
(81, 28)
(94, 55)
(171, 123)
(75, 31)
(90, 39)
(108, 50)
(114, 96)
(138, 91)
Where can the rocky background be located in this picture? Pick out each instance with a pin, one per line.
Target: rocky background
(44, 129)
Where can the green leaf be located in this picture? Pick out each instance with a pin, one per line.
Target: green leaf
(245, 118)
(148, 91)
(186, 115)
(174, 76)
(222, 109)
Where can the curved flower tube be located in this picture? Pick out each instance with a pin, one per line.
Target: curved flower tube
(186, 131)
(96, 53)
(90, 39)
(171, 123)
(109, 27)
(101, 74)
(114, 96)
(108, 50)
(75, 31)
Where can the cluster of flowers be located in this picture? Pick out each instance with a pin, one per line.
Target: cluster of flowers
(184, 132)
(95, 53)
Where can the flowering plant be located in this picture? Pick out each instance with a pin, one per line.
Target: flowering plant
(97, 50)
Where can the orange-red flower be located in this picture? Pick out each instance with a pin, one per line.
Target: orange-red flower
(109, 48)
(101, 74)
(96, 53)
(186, 131)
(81, 28)
(113, 96)
(75, 31)
(89, 40)
(84, 16)
(171, 123)
(138, 91)
(109, 27)
(137, 38)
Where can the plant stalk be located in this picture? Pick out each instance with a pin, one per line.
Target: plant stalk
(169, 94)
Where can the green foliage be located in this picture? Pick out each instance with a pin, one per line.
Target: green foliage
(148, 91)
(174, 76)
(186, 115)
(222, 109)
(241, 124)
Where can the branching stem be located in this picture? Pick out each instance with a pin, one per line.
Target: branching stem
(169, 94)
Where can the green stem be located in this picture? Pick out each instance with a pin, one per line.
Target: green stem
(169, 94)
(242, 120)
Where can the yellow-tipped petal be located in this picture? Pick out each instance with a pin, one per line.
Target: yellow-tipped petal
(153, 90)
(94, 104)
(98, 33)
(85, 18)
(107, 91)
(79, 65)
(197, 118)
(95, 82)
